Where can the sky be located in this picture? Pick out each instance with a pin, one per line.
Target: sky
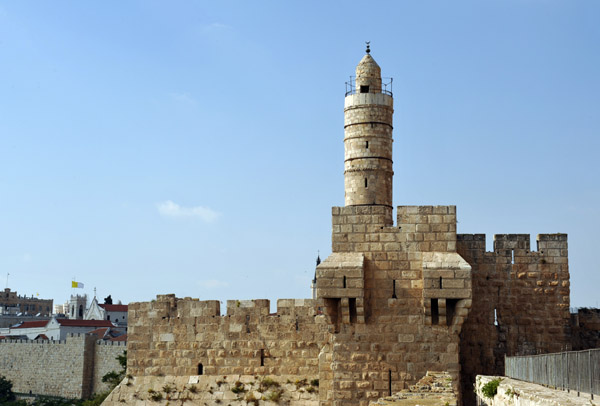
(196, 147)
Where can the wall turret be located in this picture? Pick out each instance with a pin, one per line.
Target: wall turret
(368, 111)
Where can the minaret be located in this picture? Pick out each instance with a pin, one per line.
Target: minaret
(368, 111)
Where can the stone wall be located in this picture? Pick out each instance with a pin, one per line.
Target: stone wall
(57, 368)
(204, 390)
(401, 337)
(392, 303)
(520, 302)
(184, 337)
(105, 361)
(585, 327)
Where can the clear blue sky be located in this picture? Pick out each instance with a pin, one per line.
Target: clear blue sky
(195, 147)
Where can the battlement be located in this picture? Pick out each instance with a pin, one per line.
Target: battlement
(247, 340)
(169, 306)
(371, 229)
(552, 248)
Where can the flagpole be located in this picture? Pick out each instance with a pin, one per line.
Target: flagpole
(7, 280)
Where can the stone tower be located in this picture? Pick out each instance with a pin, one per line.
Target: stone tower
(77, 307)
(368, 111)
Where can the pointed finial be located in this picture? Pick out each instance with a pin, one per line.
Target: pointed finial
(368, 46)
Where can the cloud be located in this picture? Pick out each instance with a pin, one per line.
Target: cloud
(212, 284)
(172, 209)
(216, 26)
(184, 98)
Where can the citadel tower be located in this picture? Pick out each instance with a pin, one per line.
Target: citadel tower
(368, 128)
(390, 301)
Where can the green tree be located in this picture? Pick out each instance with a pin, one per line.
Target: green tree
(114, 378)
(6, 393)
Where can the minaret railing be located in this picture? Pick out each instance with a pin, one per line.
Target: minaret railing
(386, 86)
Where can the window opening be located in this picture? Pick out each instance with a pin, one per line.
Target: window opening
(344, 282)
(296, 324)
(262, 357)
(389, 382)
(512, 256)
(435, 312)
(394, 289)
(80, 310)
(441, 283)
(450, 310)
(366, 183)
(364, 89)
(247, 323)
(200, 369)
(495, 317)
(352, 306)
(334, 311)
(367, 144)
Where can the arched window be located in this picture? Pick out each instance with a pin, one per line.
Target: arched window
(80, 310)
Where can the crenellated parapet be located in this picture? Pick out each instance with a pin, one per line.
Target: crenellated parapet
(521, 299)
(172, 336)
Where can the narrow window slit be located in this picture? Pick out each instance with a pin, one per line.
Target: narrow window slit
(512, 254)
(200, 369)
(366, 182)
(262, 357)
(344, 282)
(441, 285)
(389, 382)
(435, 312)
(394, 289)
(352, 309)
(367, 144)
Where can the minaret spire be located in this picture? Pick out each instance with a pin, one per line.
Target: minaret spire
(368, 140)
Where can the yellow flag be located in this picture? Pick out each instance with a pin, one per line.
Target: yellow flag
(77, 285)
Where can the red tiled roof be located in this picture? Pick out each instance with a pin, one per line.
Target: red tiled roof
(84, 323)
(100, 332)
(114, 308)
(42, 337)
(122, 337)
(31, 324)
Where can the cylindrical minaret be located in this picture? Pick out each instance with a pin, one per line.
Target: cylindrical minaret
(368, 140)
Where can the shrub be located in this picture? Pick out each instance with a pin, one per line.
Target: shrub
(490, 389)
(267, 383)
(250, 398)
(274, 395)
(238, 388)
(154, 395)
